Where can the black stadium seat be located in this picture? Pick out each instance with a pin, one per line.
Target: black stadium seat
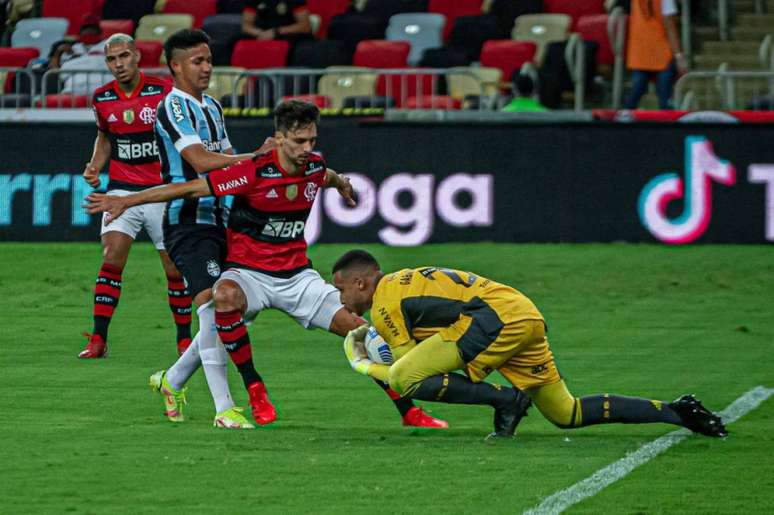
(354, 28)
(225, 30)
(470, 32)
(320, 54)
(123, 10)
(445, 57)
(506, 12)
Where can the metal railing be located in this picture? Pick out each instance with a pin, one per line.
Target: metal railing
(23, 92)
(725, 90)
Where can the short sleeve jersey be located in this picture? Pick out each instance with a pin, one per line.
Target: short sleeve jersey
(268, 216)
(127, 121)
(270, 14)
(182, 120)
(413, 304)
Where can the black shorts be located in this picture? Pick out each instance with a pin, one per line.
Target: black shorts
(198, 252)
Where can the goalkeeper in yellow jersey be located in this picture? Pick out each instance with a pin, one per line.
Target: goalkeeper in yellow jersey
(438, 320)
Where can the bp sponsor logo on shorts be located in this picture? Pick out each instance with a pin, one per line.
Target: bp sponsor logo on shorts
(213, 268)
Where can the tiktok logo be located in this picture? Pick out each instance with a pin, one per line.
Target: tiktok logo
(702, 167)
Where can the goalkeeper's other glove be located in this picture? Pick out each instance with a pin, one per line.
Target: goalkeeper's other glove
(354, 348)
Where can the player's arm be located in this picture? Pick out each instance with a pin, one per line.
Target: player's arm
(300, 25)
(354, 349)
(229, 181)
(202, 160)
(334, 179)
(99, 156)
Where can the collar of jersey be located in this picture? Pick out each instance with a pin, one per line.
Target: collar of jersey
(134, 92)
(183, 94)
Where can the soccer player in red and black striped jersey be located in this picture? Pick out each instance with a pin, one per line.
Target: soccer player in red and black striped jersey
(125, 109)
(267, 261)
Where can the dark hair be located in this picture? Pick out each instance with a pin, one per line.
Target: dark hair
(183, 39)
(294, 114)
(524, 85)
(354, 259)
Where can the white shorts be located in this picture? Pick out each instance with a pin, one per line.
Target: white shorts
(135, 218)
(306, 296)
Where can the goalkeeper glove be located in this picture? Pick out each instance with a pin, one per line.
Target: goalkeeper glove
(354, 349)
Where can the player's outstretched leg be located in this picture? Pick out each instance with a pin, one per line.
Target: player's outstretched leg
(180, 305)
(411, 415)
(106, 294)
(566, 411)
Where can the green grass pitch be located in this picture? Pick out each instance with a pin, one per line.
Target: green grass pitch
(89, 437)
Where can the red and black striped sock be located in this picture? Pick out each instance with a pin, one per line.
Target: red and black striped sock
(106, 294)
(233, 333)
(403, 404)
(180, 305)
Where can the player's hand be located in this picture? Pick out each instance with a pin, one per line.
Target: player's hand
(269, 144)
(91, 175)
(346, 190)
(354, 349)
(111, 205)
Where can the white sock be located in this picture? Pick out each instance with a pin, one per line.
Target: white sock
(182, 370)
(214, 359)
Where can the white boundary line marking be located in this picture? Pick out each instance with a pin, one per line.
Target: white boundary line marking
(563, 499)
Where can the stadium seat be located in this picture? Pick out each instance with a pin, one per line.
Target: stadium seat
(470, 32)
(72, 10)
(158, 27)
(453, 10)
(199, 9)
(381, 54)
(421, 30)
(505, 13)
(401, 87)
(446, 57)
(231, 6)
(326, 10)
(65, 101)
(14, 101)
(150, 53)
(507, 55)
(319, 54)
(341, 82)
(354, 28)
(321, 101)
(594, 27)
(13, 58)
(433, 102)
(252, 54)
(39, 33)
(574, 8)
(473, 81)
(223, 80)
(541, 29)
(110, 27)
(122, 10)
(225, 30)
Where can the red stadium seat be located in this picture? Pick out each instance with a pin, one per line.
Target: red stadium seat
(574, 8)
(14, 58)
(199, 9)
(260, 54)
(507, 55)
(326, 10)
(74, 10)
(321, 101)
(110, 27)
(433, 102)
(65, 101)
(401, 87)
(380, 53)
(150, 53)
(594, 28)
(454, 9)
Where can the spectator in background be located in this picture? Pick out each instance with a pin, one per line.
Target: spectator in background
(276, 19)
(523, 101)
(87, 53)
(653, 50)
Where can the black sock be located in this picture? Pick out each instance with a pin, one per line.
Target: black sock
(403, 404)
(603, 409)
(458, 389)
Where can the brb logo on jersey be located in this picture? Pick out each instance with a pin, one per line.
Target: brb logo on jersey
(702, 167)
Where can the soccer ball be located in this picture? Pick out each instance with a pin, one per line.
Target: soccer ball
(377, 349)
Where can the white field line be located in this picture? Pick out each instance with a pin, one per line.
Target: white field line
(563, 499)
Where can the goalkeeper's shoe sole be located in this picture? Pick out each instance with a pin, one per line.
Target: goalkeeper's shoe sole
(232, 418)
(263, 410)
(174, 400)
(508, 416)
(697, 418)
